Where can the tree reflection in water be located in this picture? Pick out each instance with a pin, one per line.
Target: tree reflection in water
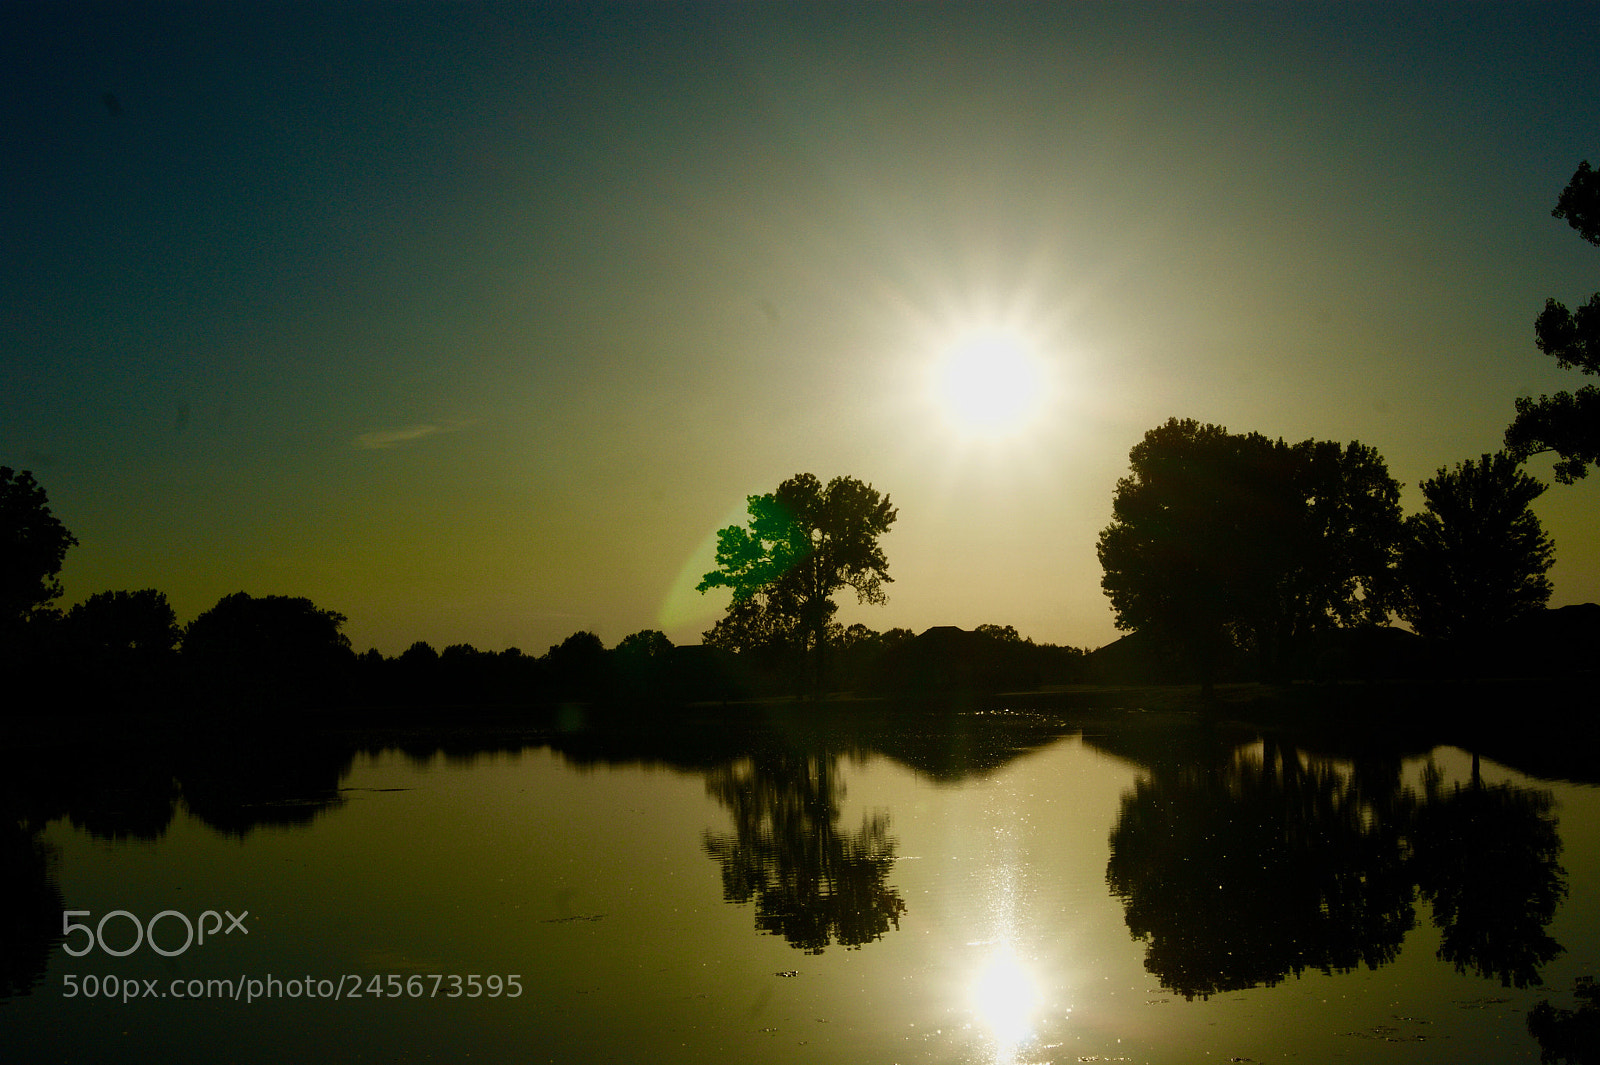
(1486, 858)
(1241, 872)
(128, 792)
(812, 883)
(30, 907)
(1571, 1036)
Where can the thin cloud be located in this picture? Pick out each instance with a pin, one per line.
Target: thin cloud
(379, 439)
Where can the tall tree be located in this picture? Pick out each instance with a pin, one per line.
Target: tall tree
(33, 545)
(1476, 558)
(804, 542)
(1567, 423)
(1221, 540)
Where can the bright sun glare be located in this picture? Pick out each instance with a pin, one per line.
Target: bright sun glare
(1005, 998)
(990, 383)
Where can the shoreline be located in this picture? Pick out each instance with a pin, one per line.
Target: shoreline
(1542, 722)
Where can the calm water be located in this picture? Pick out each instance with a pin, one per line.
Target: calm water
(975, 888)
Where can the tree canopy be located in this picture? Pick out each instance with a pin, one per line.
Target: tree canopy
(264, 646)
(140, 622)
(33, 546)
(1567, 423)
(1221, 539)
(804, 542)
(120, 648)
(1476, 558)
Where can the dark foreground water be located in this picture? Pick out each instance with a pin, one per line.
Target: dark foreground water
(936, 888)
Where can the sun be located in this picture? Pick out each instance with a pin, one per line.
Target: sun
(989, 382)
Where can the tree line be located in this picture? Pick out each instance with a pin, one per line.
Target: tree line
(126, 649)
(1221, 544)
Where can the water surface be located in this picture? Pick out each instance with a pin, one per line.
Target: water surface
(936, 888)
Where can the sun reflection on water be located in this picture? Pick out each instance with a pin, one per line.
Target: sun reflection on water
(1005, 997)
(1009, 987)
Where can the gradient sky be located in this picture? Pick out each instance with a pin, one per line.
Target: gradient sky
(475, 321)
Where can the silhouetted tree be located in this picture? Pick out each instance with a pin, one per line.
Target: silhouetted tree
(132, 622)
(642, 665)
(1220, 539)
(413, 677)
(1476, 559)
(1173, 564)
(1347, 529)
(762, 638)
(122, 645)
(462, 671)
(33, 545)
(577, 665)
(804, 543)
(895, 663)
(896, 637)
(420, 653)
(267, 648)
(1063, 664)
(644, 646)
(853, 650)
(1567, 423)
(1006, 659)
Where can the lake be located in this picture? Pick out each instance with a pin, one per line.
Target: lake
(793, 886)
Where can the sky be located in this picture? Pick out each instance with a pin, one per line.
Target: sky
(474, 322)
